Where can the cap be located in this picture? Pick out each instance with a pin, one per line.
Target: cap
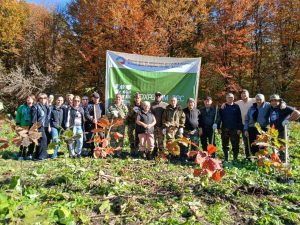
(190, 100)
(275, 97)
(260, 96)
(95, 95)
(208, 98)
(244, 90)
(230, 95)
(158, 93)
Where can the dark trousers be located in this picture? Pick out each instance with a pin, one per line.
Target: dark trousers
(133, 138)
(41, 149)
(23, 150)
(252, 137)
(206, 138)
(245, 140)
(232, 136)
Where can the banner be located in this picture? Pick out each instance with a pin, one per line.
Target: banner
(130, 73)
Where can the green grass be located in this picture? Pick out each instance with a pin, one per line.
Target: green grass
(131, 191)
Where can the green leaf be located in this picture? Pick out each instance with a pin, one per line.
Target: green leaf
(105, 207)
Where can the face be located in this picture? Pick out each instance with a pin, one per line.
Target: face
(51, 98)
(118, 99)
(84, 101)
(229, 99)
(29, 100)
(43, 99)
(146, 107)
(59, 101)
(191, 104)
(96, 100)
(138, 99)
(258, 101)
(207, 103)
(275, 103)
(70, 100)
(76, 102)
(158, 98)
(173, 101)
(244, 95)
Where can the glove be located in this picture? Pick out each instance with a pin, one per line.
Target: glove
(214, 126)
(136, 109)
(285, 122)
(115, 113)
(246, 133)
(180, 130)
(164, 131)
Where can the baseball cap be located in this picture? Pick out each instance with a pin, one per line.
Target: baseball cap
(208, 98)
(275, 97)
(190, 100)
(95, 95)
(137, 94)
(158, 93)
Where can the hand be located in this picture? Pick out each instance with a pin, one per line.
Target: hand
(214, 126)
(146, 126)
(136, 109)
(223, 106)
(49, 129)
(219, 131)
(180, 130)
(282, 105)
(238, 132)
(94, 121)
(285, 122)
(115, 113)
(246, 133)
(200, 132)
(164, 131)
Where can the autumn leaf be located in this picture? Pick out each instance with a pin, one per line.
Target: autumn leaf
(109, 151)
(199, 172)
(211, 165)
(105, 142)
(184, 141)
(217, 175)
(3, 143)
(117, 136)
(118, 122)
(211, 149)
(35, 126)
(200, 158)
(97, 152)
(191, 154)
(103, 122)
(173, 148)
(275, 157)
(97, 130)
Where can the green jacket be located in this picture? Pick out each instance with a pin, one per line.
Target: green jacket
(132, 114)
(121, 109)
(173, 117)
(23, 116)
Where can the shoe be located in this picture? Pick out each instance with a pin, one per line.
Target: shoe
(20, 158)
(28, 157)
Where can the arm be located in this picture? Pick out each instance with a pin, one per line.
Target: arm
(153, 123)
(239, 119)
(19, 115)
(182, 120)
(138, 121)
(87, 115)
(294, 115)
(34, 114)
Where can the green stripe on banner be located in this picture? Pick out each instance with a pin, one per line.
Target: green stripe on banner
(129, 81)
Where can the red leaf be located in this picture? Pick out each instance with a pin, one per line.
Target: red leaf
(275, 157)
(109, 151)
(200, 158)
(105, 143)
(97, 130)
(211, 164)
(211, 149)
(118, 122)
(192, 153)
(200, 172)
(103, 122)
(117, 135)
(216, 176)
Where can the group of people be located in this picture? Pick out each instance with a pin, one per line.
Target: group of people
(151, 124)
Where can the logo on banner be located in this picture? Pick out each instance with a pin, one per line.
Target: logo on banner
(120, 60)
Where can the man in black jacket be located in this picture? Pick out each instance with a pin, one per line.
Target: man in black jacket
(40, 114)
(209, 122)
(232, 127)
(191, 127)
(93, 113)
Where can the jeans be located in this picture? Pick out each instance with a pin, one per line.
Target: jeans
(41, 149)
(76, 145)
(54, 134)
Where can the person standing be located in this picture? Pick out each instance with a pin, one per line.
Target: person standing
(191, 127)
(173, 120)
(157, 109)
(93, 113)
(76, 120)
(66, 107)
(209, 123)
(40, 114)
(145, 128)
(231, 127)
(56, 123)
(259, 113)
(118, 110)
(23, 119)
(84, 102)
(133, 110)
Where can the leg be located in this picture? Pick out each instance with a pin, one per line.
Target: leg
(142, 139)
(252, 137)
(247, 150)
(54, 134)
(160, 139)
(235, 142)
(79, 141)
(203, 138)
(225, 143)
(42, 148)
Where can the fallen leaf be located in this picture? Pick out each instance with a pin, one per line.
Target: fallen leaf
(211, 149)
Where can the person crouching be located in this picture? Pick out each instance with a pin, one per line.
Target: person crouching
(145, 129)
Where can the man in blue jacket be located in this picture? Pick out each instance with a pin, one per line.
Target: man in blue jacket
(231, 127)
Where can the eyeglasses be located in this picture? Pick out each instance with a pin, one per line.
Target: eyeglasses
(43, 97)
(85, 99)
(76, 100)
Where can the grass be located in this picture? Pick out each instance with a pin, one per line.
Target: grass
(134, 191)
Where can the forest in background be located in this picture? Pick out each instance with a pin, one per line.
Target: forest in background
(253, 44)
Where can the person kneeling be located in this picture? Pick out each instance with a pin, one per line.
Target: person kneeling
(145, 129)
